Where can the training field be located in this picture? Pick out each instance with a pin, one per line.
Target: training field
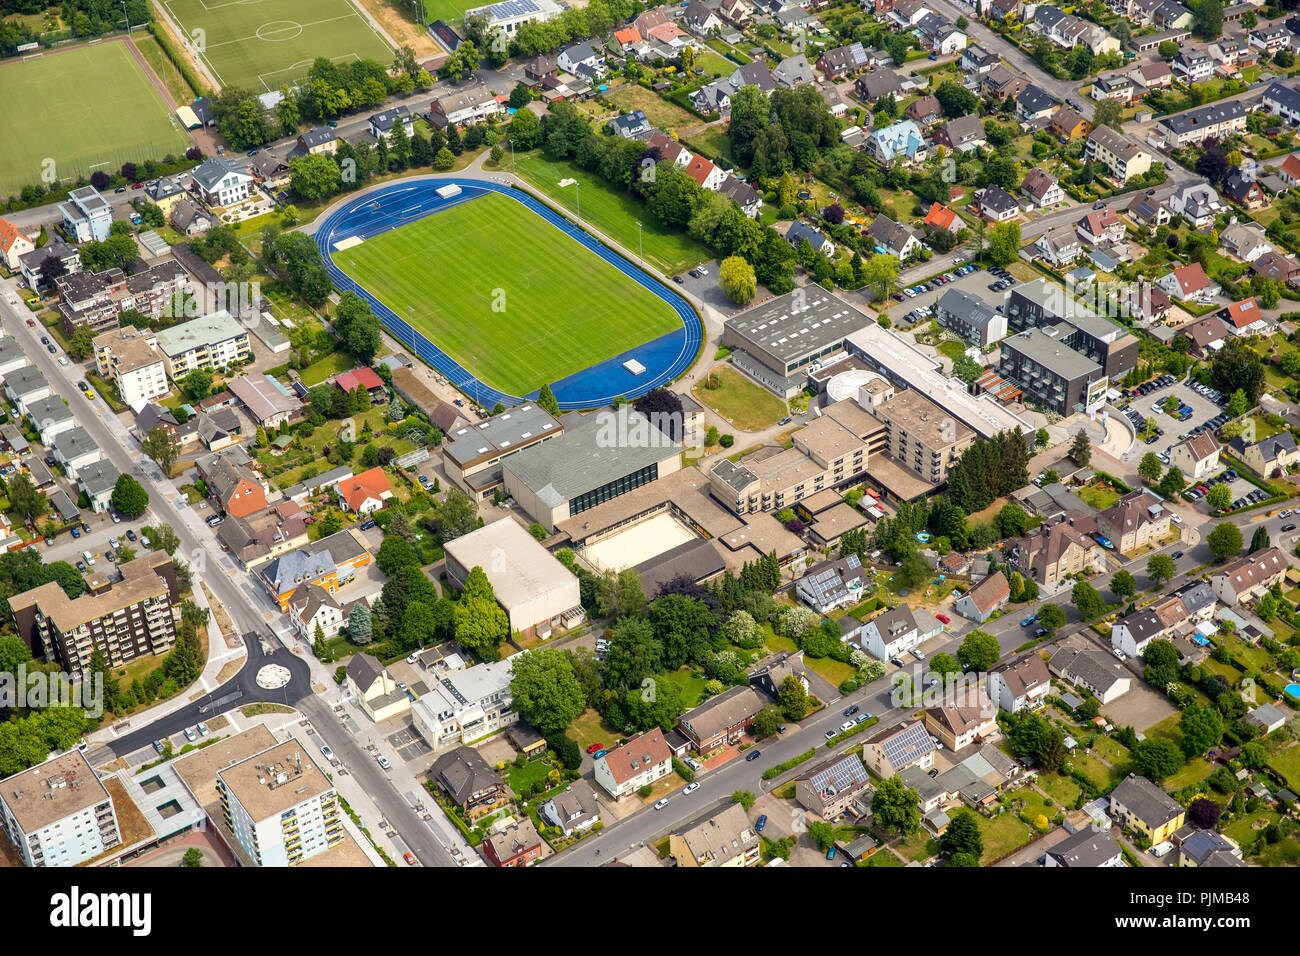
(262, 44)
(489, 278)
(85, 109)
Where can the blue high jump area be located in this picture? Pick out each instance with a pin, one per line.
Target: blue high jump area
(364, 217)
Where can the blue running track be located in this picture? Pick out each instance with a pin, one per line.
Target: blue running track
(664, 358)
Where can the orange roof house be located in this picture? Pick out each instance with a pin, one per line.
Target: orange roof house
(626, 37)
(941, 217)
(13, 244)
(365, 492)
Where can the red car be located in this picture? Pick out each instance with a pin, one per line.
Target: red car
(943, 618)
(32, 323)
(410, 858)
(138, 186)
(594, 747)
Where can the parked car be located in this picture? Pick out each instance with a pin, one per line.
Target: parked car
(159, 746)
(752, 755)
(191, 734)
(661, 804)
(851, 711)
(409, 857)
(594, 747)
(829, 735)
(202, 728)
(383, 762)
(943, 618)
(762, 822)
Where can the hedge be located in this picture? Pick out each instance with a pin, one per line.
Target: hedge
(790, 764)
(857, 729)
(182, 65)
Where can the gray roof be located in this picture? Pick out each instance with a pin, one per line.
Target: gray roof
(1207, 115)
(51, 410)
(1196, 596)
(463, 772)
(318, 137)
(500, 433)
(775, 327)
(205, 330)
(386, 119)
(25, 380)
(905, 744)
(74, 443)
(1088, 847)
(1145, 801)
(579, 461)
(98, 478)
(890, 234)
(798, 232)
(971, 309)
(64, 505)
(996, 198)
(1094, 668)
(215, 168)
(1045, 346)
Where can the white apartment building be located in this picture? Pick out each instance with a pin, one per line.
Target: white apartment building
(130, 359)
(466, 705)
(58, 813)
(279, 806)
(211, 341)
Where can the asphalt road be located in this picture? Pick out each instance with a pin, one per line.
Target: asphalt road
(249, 608)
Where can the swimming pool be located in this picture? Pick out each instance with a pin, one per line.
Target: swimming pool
(1293, 690)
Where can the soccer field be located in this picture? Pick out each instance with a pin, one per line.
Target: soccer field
(262, 44)
(50, 112)
(489, 280)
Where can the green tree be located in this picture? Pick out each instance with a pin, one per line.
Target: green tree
(1150, 467)
(1161, 568)
(480, 623)
(962, 836)
(737, 279)
(1108, 113)
(129, 498)
(979, 650)
(1157, 758)
(1004, 243)
(1087, 600)
(1259, 540)
(26, 503)
(880, 275)
(1051, 616)
(1081, 449)
(745, 798)
(1172, 483)
(793, 698)
(1202, 729)
(545, 690)
(546, 401)
(193, 858)
(1122, 583)
(197, 385)
(1207, 19)
(1224, 541)
(1219, 497)
(894, 807)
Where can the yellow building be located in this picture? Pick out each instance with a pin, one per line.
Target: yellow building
(1140, 805)
(724, 839)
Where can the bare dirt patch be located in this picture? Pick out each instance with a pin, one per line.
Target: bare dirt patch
(229, 670)
(403, 31)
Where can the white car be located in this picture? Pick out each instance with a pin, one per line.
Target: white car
(847, 725)
(690, 788)
(383, 762)
(1285, 514)
(1119, 655)
(661, 804)
(1176, 519)
(62, 360)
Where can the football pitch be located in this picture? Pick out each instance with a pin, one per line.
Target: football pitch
(506, 294)
(262, 44)
(50, 112)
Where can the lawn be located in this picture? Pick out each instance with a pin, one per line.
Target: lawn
(712, 142)
(521, 779)
(1102, 776)
(747, 406)
(329, 365)
(1287, 763)
(261, 46)
(1062, 789)
(1002, 834)
(1194, 771)
(661, 113)
(158, 62)
(953, 350)
(613, 212)
(449, 10)
(692, 687)
(590, 729)
(1098, 497)
(52, 126)
(920, 846)
(495, 286)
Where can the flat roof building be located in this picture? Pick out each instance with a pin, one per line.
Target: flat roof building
(58, 813)
(472, 454)
(211, 341)
(599, 457)
(1051, 373)
(538, 593)
(1040, 304)
(781, 338)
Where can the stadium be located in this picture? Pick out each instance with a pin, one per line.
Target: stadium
(431, 256)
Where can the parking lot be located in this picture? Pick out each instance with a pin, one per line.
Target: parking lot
(1147, 403)
(975, 283)
(408, 744)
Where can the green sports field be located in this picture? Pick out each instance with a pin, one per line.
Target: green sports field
(453, 11)
(50, 110)
(493, 280)
(263, 44)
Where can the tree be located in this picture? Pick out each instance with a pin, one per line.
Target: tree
(793, 698)
(894, 807)
(737, 279)
(163, 447)
(1259, 540)
(1122, 584)
(1168, 49)
(1150, 467)
(193, 858)
(1207, 19)
(1237, 404)
(955, 99)
(546, 691)
(1161, 568)
(197, 385)
(525, 130)
(1051, 616)
(1157, 758)
(1108, 113)
(360, 624)
(129, 498)
(979, 651)
(743, 797)
(1237, 366)
(444, 159)
(26, 503)
(880, 275)
(314, 177)
(1087, 600)
(1205, 812)
(822, 834)
(546, 401)
(1081, 449)
(1202, 729)
(1225, 540)
(1004, 243)
(83, 341)
(1219, 497)
(962, 836)
(1172, 483)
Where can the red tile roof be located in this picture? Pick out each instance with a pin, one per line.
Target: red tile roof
(1292, 166)
(359, 378)
(1242, 314)
(368, 484)
(940, 217)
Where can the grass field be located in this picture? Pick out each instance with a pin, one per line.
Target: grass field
(613, 212)
(48, 114)
(747, 406)
(260, 46)
(450, 10)
(492, 280)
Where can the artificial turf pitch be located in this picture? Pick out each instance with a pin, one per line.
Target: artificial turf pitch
(50, 110)
(263, 45)
(506, 294)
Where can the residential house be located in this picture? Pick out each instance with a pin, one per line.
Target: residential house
(966, 716)
(999, 83)
(1100, 227)
(582, 57)
(893, 238)
(699, 18)
(1242, 190)
(900, 140)
(32, 263)
(1053, 553)
(1277, 266)
(894, 632)
(366, 378)
(895, 749)
(643, 760)
(1137, 520)
(222, 181)
(1116, 86)
(976, 59)
(1267, 718)
(317, 142)
(1269, 37)
(876, 84)
(1152, 75)
(1043, 190)
(1059, 246)
(726, 838)
(832, 584)
(721, 720)
(313, 607)
(361, 494)
(466, 779)
(374, 689)
(989, 595)
(265, 535)
(996, 204)
(1283, 101)
(743, 195)
(794, 71)
(924, 111)
(1020, 685)
(1290, 170)
(629, 125)
(573, 811)
(970, 317)
(1140, 804)
(1198, 203)
(236, 489)
(1245, 240)
(1094, 671)
(1148, 211)
(463, 108)
(962, 134)
(1207, 336)
(843, 61)
(1197, 457)
(189, 219)
(942, 218)
(1035, 105)
(1189, 283)
(1067, 124)
(829, 788)
(1271, 457)
(1087, 848)
(1245, 318)
(14, 244)
(706, 174)
(1212, 121)
(1193, 66)
(798, 233)
(87, 216)
(513, 844)
(1249, 577)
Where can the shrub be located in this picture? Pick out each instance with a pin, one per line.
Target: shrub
(726, 441)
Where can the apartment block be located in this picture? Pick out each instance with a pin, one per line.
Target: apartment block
(129, 358)
(213, 341)
(280, 807)
(58, 813)
(98, 299)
